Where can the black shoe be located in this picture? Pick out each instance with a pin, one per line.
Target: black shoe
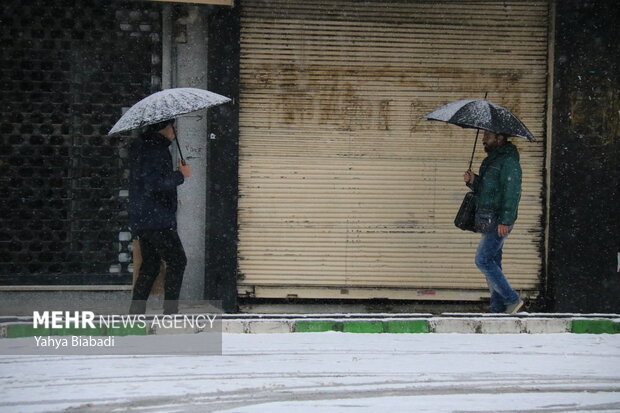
(137, 307)
(171, 307)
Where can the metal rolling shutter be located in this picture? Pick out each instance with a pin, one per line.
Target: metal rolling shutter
(345, 190)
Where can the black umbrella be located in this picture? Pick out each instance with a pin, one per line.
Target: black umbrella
(482, 114)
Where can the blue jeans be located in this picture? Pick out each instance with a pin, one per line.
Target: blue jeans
(489, 261)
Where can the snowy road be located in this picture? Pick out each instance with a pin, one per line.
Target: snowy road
(330, 372)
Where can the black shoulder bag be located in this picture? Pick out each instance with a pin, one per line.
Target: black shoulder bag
(465, 218)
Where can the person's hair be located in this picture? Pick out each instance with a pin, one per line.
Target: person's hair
(156, 127)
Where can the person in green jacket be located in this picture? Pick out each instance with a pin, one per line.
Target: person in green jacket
(498, 190)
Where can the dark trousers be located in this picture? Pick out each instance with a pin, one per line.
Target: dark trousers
(158, 245)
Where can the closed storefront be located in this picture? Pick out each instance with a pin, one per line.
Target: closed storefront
(66, 71)
(345, 190)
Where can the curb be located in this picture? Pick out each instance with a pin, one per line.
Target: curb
(438, 325)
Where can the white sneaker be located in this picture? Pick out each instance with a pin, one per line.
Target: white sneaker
(514, 308)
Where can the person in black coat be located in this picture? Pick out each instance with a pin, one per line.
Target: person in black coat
(152, 214)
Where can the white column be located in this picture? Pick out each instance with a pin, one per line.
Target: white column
(189, 51)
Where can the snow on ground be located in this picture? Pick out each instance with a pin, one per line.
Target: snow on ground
(328, 372)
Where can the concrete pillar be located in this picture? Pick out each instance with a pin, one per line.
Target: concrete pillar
(185, 43)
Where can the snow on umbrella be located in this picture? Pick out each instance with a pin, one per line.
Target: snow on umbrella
(481, 114)
(164, 105)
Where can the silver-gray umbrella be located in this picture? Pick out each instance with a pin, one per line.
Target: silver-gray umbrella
(164, 105)
(481, 114)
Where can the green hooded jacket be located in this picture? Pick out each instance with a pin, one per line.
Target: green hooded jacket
(498, 186)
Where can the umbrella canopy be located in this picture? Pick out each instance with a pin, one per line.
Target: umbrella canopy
(164, 105)
(481, 114)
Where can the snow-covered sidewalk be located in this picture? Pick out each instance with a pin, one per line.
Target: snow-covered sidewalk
(329, 372)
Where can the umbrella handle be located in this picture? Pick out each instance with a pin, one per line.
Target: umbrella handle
(180, 152)
(471, 161)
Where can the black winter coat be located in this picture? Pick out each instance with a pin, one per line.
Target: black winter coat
(153, 184)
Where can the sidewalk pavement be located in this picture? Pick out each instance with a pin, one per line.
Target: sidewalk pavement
(463, 323)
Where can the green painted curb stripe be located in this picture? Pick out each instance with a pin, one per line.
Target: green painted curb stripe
(317, 326)
(27, 330)
(394, 326)
(407, 326)
(595, 327)
(362, 327)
